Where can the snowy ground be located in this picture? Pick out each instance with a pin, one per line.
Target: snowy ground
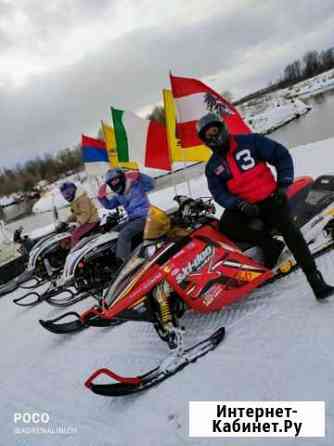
(278, 346)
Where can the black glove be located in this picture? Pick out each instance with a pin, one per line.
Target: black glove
(279, 196)
(251, 210)
(61, 227)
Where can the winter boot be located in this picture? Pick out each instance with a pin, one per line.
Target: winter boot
(272, 252)
(320, 288)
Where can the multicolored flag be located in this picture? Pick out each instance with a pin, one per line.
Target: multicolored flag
(95, 156)
(193, 99)
(179, 153)
(140, 140)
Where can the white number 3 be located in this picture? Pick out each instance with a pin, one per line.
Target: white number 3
(245, 159)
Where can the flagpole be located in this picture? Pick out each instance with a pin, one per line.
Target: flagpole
(54, 209)
(171, 137)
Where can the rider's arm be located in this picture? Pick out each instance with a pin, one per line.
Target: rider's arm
(109, 203)
(277, 155)
(147, 182)
(221, 194)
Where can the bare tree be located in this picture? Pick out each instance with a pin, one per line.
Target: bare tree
(158, 114)
(311, 63)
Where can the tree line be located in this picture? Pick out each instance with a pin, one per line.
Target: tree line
(25, 178)
(311, 64)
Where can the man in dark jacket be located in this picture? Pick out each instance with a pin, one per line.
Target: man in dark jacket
(241, 181)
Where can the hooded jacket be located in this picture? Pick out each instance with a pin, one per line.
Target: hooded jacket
(83, 209)
(242, 173)
(134, 199)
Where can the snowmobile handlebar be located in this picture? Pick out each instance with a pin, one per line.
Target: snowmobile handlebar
(113, 220)
(192, 210)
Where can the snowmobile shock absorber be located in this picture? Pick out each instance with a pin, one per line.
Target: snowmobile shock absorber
(161, 296)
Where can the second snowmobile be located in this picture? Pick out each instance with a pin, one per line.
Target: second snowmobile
(81, 272)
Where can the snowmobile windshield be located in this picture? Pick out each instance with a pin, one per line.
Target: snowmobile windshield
(315, 197)
(142, 254)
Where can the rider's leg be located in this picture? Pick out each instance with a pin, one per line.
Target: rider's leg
(127, 233)
(238, 227)
(80, 232)
(277, 212)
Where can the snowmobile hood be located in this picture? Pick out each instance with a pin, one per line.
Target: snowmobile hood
(43, 245)
(137, 278)
(77, 254)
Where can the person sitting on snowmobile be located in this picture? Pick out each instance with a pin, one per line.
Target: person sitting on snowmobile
(84, 211)
(130, 190)
(241, 181)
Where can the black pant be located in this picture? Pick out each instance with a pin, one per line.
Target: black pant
(237, 226)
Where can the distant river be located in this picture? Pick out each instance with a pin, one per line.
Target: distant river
(318, 124)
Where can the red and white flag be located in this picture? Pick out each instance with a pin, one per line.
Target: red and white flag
(193, 99)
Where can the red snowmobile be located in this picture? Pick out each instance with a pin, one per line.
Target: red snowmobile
(197, 268)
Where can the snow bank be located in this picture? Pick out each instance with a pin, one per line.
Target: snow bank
(6, 201)
(318, 84)
(278, 113)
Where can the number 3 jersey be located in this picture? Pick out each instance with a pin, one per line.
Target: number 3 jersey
(241, 173)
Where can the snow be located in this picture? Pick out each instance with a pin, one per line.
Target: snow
(273, 110)
(279, 113)
(6, 201)
(48, 201)
(279, 346)
(315, 85)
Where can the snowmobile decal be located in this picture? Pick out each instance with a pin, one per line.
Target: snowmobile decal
(195, 264)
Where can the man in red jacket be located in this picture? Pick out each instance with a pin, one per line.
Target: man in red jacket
(241, 181)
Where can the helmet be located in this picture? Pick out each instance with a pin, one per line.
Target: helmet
(217, 140)
(68, 190)
(115, 178)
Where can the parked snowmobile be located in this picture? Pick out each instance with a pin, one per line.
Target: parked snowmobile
(39, 252)
(202, 270)
(81, 272)
(17, 247)
(12, 257)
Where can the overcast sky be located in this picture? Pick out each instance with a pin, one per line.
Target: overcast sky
(64, 62)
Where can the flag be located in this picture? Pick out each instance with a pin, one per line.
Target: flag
(109, 137)
(193, 100)
(179, 153)
(140, 140)
(95, 156)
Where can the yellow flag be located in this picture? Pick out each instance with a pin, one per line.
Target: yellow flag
(179, 153)
(109, 138)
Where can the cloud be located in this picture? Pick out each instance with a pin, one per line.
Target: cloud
(77, 58)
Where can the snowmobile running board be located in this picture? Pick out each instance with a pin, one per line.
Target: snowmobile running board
(166, 369)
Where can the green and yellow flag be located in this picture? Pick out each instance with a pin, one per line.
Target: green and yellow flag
(109, 138)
